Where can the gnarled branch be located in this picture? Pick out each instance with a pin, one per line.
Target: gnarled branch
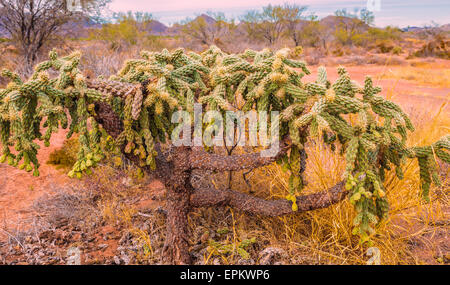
(200, 159)
(208, 197)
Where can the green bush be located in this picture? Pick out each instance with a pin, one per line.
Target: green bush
(384, 46)
(397, 50)
(126, 32)
(66, 156)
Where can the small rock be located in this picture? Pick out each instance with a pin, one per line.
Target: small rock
(447, 258)
(272, 256)
(246, 262)
(22, 263)
(125, 238)
(126, 259)
(116, 260)
(126, 181)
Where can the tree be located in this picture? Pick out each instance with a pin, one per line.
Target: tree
(291, 17)
(266, 25)
(140, 17)
(135, 112)
(367, 16)
(350, 24)
(313, 33)
(208, 29)
(31, 23)
(127, 29)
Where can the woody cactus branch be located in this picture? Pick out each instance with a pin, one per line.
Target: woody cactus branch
(210, 197)
(200, 159)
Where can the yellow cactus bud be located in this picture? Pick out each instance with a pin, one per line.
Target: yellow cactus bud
(43, 76)
(117, 161)
(277, 63)
(280, 93)
(11, 85)
(259, 91)
(79, 79)
(282, 53)
(330, 95)
(278, 77)
(159, 109)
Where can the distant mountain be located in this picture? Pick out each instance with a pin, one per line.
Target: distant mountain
(173, 30)
(79, 28)
(445, 28)
(176, 29)
(333, 21)
(208, 19)
(412, 29)
(157, 28)
(3, 33)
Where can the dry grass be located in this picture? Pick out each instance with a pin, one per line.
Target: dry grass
(421, 73)
(119, 190)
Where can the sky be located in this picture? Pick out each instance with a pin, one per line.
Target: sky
(400, 13)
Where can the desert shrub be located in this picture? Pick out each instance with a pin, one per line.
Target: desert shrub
(360, 39)
(126, 32)
(384, 46)
(343, 36)
(397, 50)
(339, 51)
(388, 33)
(439, 46)
(313, 33)
(66, 156)
(297, 52)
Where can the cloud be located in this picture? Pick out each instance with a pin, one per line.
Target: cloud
(176, 5)
(393, 12)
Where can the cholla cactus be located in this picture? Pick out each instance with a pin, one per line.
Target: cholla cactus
(136, 105)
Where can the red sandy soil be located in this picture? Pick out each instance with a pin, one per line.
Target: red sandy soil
(19, 189)
(407, 94)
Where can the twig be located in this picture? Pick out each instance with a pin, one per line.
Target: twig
(10, 235)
